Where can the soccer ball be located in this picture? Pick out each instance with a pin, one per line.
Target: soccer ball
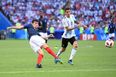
(109, 43)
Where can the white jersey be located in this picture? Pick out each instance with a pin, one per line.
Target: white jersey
(68, 22)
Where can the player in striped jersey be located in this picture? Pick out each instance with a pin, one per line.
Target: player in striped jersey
(69, 34)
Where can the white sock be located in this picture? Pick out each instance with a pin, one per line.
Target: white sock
(73, 52)
(59, 52)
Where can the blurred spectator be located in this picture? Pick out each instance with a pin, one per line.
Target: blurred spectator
(52, 30)
(89, 10)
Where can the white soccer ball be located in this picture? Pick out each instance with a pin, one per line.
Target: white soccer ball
(109, 43)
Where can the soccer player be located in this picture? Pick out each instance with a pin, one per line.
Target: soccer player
(43, 26)
(68, 35)
(112, 29)
(37, 42)
(92, 28)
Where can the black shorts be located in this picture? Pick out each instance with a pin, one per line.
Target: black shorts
(65, 41)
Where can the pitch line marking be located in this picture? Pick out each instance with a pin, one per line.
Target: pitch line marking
(39, 70)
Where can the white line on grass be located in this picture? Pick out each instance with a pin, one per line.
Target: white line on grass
(39, 70)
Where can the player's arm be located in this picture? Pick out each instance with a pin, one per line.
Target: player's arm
(69, 29)
(65, 24)
(79, 24)
(16, 27)
(48, 36)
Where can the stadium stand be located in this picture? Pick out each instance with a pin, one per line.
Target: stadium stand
(95, 12)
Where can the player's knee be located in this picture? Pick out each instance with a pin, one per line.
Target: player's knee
(40, 52)
(63, 49)
(44, 46)
(75, 45)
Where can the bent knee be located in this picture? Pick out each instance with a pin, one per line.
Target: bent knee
(44, 46)
(40, 52)
(63, 49)
(75, 44)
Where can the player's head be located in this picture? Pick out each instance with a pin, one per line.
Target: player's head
(41, 13)
(35, 23)
(67, 12)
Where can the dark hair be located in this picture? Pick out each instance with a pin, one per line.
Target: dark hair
(41, 11)
(34, 20)
(66, 9)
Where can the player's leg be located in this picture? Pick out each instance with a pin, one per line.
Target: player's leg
(40, 58)
(73, 41)
(36, 43)
(51, 52)
(63, 48)
(40, 42)
(36, 48)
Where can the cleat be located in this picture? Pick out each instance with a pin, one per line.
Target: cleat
(70, 62)
(58, 61)
(38, 66)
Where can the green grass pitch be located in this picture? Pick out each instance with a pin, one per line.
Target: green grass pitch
(93, 59)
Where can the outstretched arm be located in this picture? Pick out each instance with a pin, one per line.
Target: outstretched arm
(16, 27)
(79, 24)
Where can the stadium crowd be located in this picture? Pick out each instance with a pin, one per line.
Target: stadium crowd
(96, 12)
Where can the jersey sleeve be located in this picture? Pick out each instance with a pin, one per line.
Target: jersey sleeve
(73, 17)
(26, 26)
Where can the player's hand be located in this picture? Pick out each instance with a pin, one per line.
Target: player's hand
(8, 28)
(50, 35)
(85, 27)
